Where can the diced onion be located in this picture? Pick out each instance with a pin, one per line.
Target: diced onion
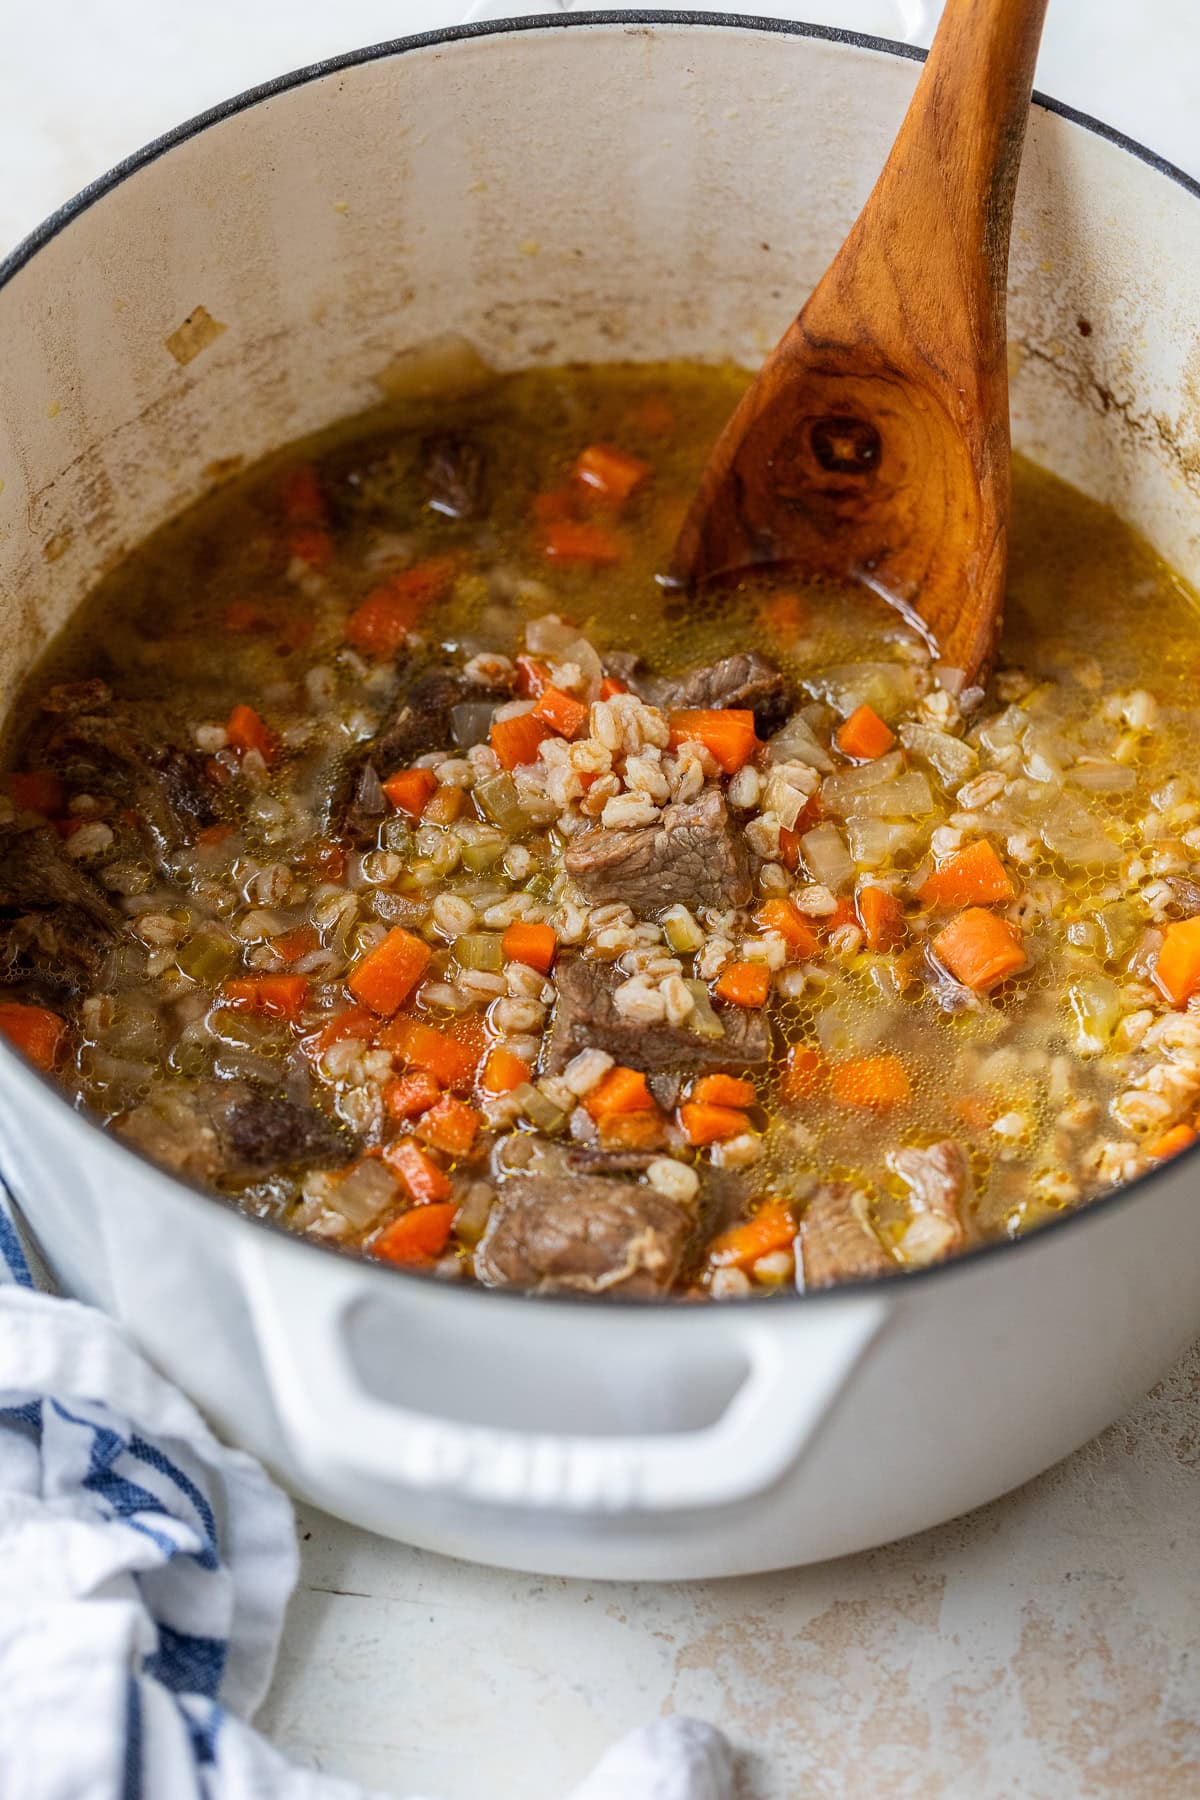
(826, 856)
(798, 742)
(841, 793)
(887, 688)
(366, 1192)
(470, 722)
(1070, 831)
(1096, 1004)
(952, 759)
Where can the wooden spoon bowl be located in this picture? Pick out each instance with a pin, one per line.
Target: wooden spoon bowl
(873, 446)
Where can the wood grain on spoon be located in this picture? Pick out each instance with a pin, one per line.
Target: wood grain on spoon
(874, 443)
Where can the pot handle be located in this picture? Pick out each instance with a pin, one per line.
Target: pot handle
(797, 1360)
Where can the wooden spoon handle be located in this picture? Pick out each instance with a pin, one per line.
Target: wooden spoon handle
(874, 443)
(941, 210)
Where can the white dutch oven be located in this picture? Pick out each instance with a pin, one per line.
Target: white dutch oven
(638, 186)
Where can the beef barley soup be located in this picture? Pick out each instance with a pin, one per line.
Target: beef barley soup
(385, 849)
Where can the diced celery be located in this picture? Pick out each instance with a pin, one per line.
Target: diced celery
(702, 1019)
(539, 1110)
(479, 950)
(497, 796)
(209, 956)
(1096, 1004)
(485, 853)
(681, 931)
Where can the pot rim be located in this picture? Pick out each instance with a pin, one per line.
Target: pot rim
(63, 216)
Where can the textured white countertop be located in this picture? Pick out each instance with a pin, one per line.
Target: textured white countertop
(1045, 1647)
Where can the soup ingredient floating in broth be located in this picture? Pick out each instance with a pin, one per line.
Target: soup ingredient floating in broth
(489, 912)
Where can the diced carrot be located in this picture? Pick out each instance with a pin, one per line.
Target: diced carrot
(276, 996)
(450, 1125)
(842, 914)
(380, 625)
(789, 848)
(243, 615)
(782, 916)
(38, 792)
(532, 944)
(34, 1030)
(706, 1124)
(503, 1071)
(515, 740)
(653, 414)
(727, 732)
(421, 1176)
(1177, 971)
(213, 834)
(609, 685)
(1180, 1137)
(863, 736)
(583, 541)
(410, 790)
(804, 1073)
(621, 1091)
(410, 1095)
(351, 1022)
(416, 1237)
(303, 501)
(295, 632)
(633, 1131)
(785, 616)
(973, 876)
(292, 945)
(881, 916)
(975, 1112)
(312, 547)
(612, 473)
(875, 1082)
(771, 1228)
(387, 975)
(532, 677)
(325, 857)
(723, 1090)
(247, 731)
(451, 1061)
(446, 805)
(562, 712)
(744, 984)
(552, 507)
(980, 949)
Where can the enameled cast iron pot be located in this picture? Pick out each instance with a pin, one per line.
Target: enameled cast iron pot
(631, 185)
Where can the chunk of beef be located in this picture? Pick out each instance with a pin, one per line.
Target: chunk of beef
(260, 1130)
(589, 1234)
(70, 697)
(126, 754)
(455, 469)
(586, 1016)
(1187, 894)
(938, 1179)
(233, 1128)
(365, 810)
(694, 855)
(592, 1159)
(745, 680)
(54, 921)
(420, 719)
(836, 1241)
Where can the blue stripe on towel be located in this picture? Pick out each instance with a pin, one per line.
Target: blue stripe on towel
(150, 1453)
(131, 1786)
(187, 1664)
(11, 1253)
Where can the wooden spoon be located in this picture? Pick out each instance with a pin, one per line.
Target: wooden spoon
(874, 444)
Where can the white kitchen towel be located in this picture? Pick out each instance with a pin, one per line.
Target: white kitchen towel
(144, 1573)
